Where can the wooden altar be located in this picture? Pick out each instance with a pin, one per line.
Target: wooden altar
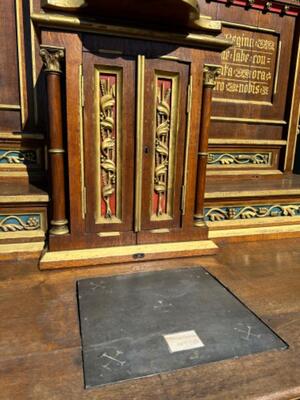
(169, 124)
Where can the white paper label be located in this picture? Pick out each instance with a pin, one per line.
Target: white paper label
(181, 341)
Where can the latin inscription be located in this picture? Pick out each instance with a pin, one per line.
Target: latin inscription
(248, 67)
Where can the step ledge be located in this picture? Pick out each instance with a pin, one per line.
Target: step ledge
(21, 247)
(85, 257)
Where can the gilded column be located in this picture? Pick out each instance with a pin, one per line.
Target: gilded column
(52, 58)
(210, 73)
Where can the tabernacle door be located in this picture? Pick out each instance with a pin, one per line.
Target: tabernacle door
(109, 131)
(164, 148)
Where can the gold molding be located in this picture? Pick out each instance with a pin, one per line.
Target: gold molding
(247, 142)
(10, 107)
(210, 72)
(252, 193)
(253, 171)
(187, 144)
(249, 120)
(21, 136)
(81, 140)
(290, 133)
(21, 61)
(56, 151)
(277, 67)
(139, 139)
(33, 43)
(72, 22)
(245, 26)
(52, 58)
(277, 229)
(239, 101)
(33, 198)
(108, 234)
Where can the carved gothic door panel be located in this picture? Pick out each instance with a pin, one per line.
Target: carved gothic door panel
(164, 145)
(109, 131)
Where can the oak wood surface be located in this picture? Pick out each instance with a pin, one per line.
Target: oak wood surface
(40, 341)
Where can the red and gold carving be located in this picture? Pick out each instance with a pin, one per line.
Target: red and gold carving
(108, 139)
(162, 146)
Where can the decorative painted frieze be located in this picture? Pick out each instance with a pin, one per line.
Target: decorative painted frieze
(218, 158)
(249, 212)
(23, 156)
(26, 222)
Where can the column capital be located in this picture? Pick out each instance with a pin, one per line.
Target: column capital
(211, 72)
(52, 58)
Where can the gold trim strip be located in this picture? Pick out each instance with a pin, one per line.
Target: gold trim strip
(238, 101)
(252, 171)
(250, 120)
(21, 136)
(108, 234)
(81, 96)
(250, 27)
(277, 67)
(296, 82)
(171, 58)
(99, 253)
(202, 153)
(9, 107)
(56, 151)
(33, 61)
(34, 198)
(233, 223)
(187, 144)
(247, 142)
(253, 231)
(249, 193)
(139, 143)
(160, 230)
(21, 60)
(80, 24)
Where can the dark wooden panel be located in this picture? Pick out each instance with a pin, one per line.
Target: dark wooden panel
(9, 81)
(10, 121)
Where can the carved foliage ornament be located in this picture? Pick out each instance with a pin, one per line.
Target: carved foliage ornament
(162, 140)
(249, 212)
(211, 72)
(234, 158)
(18, 157)
(13, 223)
(52, 58)
(108, 141)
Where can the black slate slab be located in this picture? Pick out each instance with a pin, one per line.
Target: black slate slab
(124, 319)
